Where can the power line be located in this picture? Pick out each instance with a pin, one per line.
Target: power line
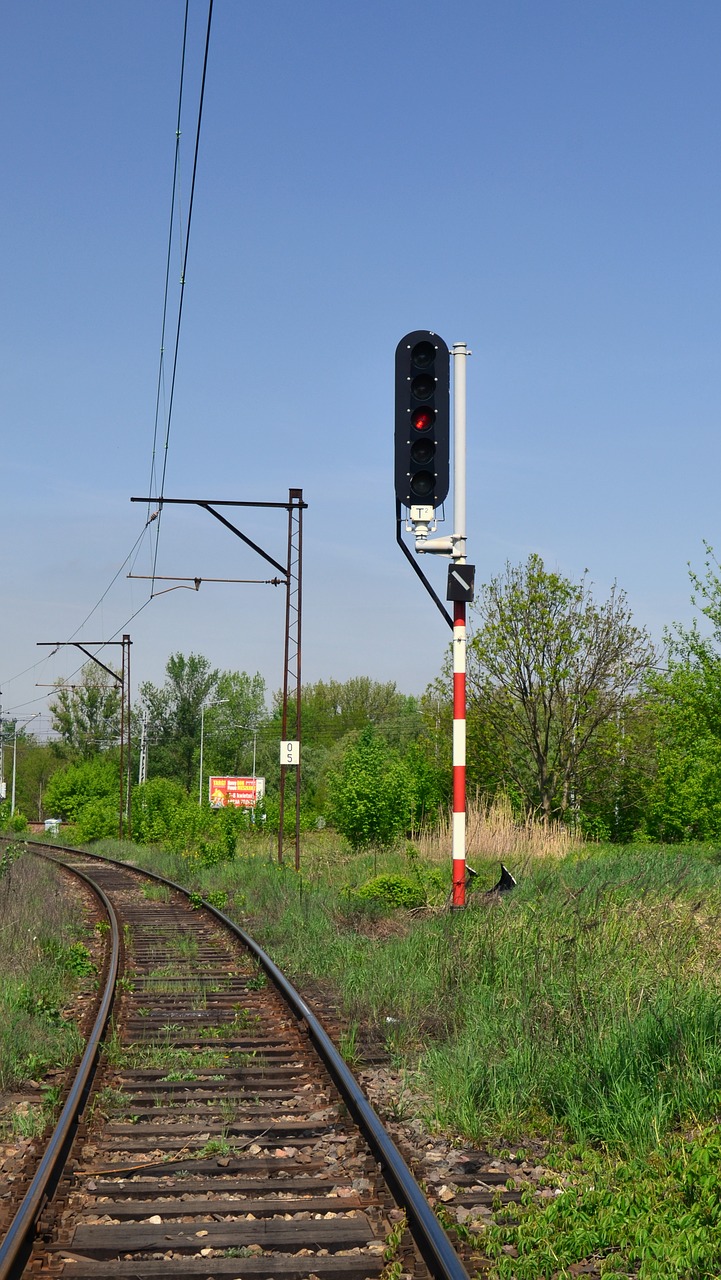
(176, 170)
(182, 287)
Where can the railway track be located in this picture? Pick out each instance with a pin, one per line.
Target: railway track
(221, 1135)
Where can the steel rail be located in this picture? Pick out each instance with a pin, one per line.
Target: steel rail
(428, 1234)
(16, 1245)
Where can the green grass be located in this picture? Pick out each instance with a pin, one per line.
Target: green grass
(156, 892)
(176, 1063)
(655, 1218)
(43, 961)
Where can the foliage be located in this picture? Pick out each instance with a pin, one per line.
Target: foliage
(174, 716)
(227, 706)
(96, 819)
(42, 960)
(429, 790)
(685, 799)
(87, 715)
(232, 722)
(547, 668)
(36, 763)
(654, 1218)
(16, 821)
(9, 853)
(156, 805)
(393, 891)
(371, 793)
(332, 709)
(91, 784)
(333, 714)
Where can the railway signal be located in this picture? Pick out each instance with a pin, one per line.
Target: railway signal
(422, 432)
(422, 480)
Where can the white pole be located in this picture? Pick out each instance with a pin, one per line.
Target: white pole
(15, 765)
(460, 354)
(200, 776)
(143, 765)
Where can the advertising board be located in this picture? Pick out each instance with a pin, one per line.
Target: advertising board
(243, 793)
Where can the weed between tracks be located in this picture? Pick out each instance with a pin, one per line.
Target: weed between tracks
(175, 1063)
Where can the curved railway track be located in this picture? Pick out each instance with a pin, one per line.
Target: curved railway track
(221, 1134)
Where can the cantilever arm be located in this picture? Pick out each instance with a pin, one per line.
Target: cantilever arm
(437, 600)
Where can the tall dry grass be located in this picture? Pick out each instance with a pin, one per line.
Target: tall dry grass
(492, 831)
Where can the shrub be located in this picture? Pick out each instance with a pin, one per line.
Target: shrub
(15, 822)
(393, 890)
(156, 808)
(97, 819)
(371, 793)
(71, 789)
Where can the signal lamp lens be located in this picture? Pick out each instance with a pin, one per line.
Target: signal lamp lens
(422, 483)
(423, 355)
(422, 419)
(422, 451)
(423, 386)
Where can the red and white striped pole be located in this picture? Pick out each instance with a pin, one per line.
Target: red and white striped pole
(460, 355)
(459, 753)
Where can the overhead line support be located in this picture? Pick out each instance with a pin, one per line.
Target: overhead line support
(125, 825)
(292, 577)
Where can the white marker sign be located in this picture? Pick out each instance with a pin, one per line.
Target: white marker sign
(290, 753)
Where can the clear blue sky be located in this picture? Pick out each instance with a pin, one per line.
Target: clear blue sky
(540, 180)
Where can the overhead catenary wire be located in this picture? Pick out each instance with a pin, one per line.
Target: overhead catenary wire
(176, 172)
(183, 277)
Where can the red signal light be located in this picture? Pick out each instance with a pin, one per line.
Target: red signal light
(422, 419)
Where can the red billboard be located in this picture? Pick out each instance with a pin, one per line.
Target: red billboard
(243, 793)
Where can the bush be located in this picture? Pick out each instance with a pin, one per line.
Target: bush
(156, 808)
(71, 789)
(392, 890)
(16, 822)
(97, 819)
(371, 793)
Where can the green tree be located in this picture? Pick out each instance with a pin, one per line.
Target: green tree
(547, 668)
(237, 720)
(333, 713)
(88, 784)
(685, 799)
(371, 794)
(174, 716)
(36, 763)
(330, 709)
(87, 715)
(156, 806)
